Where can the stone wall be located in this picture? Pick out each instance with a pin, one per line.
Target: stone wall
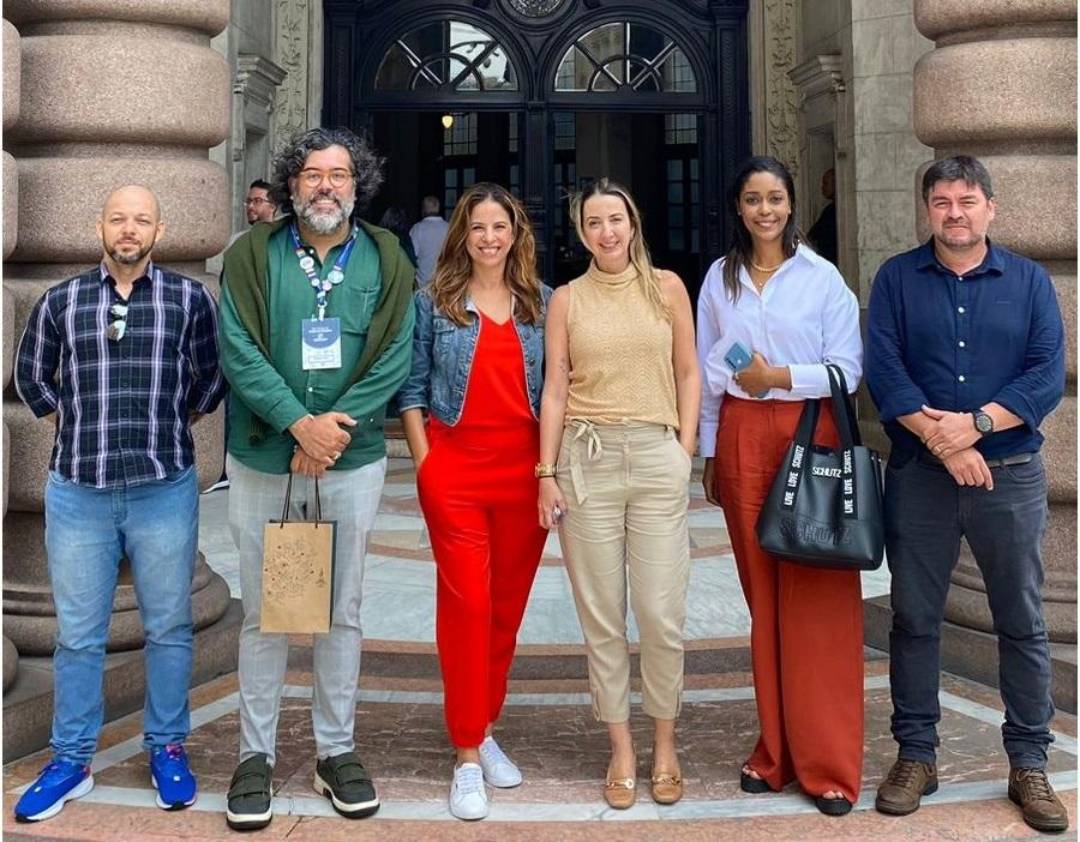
(97, 94)
(1001, 85)
(885, 46)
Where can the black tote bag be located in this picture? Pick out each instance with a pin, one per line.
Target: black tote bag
(825, 507)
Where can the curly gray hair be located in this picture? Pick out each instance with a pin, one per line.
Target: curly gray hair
(366, 164)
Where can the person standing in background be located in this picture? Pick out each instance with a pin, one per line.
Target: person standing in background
(822, 235)
(427, 237)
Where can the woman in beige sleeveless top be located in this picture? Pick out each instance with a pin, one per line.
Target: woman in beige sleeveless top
(617, 426)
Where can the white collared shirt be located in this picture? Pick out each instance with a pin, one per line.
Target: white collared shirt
(805, 317)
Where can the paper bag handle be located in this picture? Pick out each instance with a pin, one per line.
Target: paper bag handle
(288, 496)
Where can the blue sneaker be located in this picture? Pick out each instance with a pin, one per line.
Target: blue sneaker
(171, 777)
(59, 782)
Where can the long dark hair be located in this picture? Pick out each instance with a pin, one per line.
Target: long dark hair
(742, 244)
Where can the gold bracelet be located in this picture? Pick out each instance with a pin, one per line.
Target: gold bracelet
(544, 469)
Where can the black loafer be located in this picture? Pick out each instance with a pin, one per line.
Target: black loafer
(833, 806)
(755, 786)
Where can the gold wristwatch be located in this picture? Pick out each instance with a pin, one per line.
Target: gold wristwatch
(544, 470)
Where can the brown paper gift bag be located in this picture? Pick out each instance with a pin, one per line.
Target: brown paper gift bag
(298, 572)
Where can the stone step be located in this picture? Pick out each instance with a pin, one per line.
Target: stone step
(548, 728)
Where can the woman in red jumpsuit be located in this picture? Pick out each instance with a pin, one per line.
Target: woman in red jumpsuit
(477, 370)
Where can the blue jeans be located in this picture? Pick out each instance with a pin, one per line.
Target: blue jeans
(87, 531)
(926, 513)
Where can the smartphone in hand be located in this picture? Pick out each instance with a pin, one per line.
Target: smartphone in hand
(739, 358)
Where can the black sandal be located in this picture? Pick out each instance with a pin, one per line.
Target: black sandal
(833, 806)
(755, 786)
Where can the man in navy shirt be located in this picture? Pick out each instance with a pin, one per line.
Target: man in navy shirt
(964, 359)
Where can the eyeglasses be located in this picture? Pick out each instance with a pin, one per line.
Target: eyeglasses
(259, 200)
(313, 178)
(115, 331)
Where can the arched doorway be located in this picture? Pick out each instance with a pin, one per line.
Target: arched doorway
(544, 95)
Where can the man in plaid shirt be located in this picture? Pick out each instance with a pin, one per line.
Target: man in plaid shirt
(125, 358)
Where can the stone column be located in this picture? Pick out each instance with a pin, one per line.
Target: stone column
(1001, 85)
(111, 93)
(11, 86)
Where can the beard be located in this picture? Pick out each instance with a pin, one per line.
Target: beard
(130, 258)
(323, 222)
(959, 238)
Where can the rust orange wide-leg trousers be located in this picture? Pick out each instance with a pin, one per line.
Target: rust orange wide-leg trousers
(806, 636)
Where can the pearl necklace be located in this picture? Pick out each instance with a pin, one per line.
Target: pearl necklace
(767, 268)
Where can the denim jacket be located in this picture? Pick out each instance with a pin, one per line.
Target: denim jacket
(443, 354)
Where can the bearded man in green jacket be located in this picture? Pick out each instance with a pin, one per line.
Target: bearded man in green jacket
(316, 336)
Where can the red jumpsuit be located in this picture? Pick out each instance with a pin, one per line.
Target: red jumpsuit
(806, 634)
(478, 494)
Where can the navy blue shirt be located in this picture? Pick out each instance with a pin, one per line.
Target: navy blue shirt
(960, 342)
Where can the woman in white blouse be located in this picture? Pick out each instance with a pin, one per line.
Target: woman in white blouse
(773, 299)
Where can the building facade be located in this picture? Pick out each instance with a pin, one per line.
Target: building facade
(193, 96)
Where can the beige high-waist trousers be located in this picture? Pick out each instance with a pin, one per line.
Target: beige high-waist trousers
(627, 492)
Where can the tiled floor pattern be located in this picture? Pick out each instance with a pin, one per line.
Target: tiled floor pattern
(561, 750)
(399, 572)
(547, 726)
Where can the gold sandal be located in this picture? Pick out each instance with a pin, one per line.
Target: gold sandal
(666, 787)
(620, 793)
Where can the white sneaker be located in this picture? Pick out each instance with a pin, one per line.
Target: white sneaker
(499, 770)
(468, 798)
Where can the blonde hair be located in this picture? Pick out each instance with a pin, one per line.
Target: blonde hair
(450, 285)
(639, 250)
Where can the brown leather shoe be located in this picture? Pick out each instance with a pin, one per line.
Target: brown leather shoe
(905, 785)
(620, 793)
(1042, 809)
(666, 787)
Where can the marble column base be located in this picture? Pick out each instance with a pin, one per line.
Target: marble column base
(29, 612)
(967, 603)
(11, 663)
(973, 654)
(28, 704)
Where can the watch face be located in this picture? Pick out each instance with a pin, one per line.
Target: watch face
(983, 422)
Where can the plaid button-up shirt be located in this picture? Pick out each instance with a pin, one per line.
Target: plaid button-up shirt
(122, 406)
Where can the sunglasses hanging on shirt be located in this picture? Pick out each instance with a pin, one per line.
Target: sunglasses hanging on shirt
(116, 329)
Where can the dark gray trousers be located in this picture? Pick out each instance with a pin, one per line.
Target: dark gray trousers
(926, 513)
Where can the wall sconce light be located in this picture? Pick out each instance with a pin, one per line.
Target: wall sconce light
(447, 120)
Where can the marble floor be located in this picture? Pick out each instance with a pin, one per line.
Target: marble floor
(393, 575)
(547, 726)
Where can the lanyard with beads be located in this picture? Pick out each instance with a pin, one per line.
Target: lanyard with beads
(333, 278)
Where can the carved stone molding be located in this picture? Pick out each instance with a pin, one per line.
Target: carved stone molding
(772, 26)
(781, 110)
(257, 79)
(297, 50)
(254, 88)
(823, 74)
